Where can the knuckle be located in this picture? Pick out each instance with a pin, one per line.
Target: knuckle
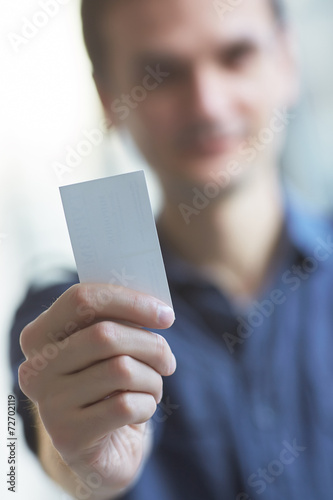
(149, 409)
(104, 334)
(30, 381)
(22, 378)
(153, 406)
(79, 295)
(135, 302)
(104, 297)
(140, 304)
(123, 367)
(26, 337)
(124, 405)
(161, 349)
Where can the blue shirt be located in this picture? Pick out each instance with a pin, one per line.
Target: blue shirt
(249, 412)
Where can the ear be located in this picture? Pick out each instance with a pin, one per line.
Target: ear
(107, 99)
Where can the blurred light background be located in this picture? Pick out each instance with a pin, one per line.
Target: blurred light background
(49, 104)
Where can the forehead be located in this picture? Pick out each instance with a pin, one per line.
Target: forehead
(182, 25)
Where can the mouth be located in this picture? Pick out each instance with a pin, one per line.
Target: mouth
(211, 146)
(211, 141)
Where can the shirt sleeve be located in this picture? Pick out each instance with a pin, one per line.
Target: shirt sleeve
(35, 302)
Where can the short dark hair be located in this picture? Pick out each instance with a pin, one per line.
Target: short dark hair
(93, 11)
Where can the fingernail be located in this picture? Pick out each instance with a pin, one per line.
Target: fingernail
(165, 314)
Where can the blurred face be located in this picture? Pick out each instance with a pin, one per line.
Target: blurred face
(199, 92)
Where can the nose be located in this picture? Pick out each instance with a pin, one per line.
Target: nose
(210, 95)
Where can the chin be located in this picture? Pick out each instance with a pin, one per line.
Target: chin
(223, 170)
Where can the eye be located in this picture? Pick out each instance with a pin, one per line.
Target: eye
(174, 71)
(239, 55)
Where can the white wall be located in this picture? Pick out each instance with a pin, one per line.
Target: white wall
(47, 101)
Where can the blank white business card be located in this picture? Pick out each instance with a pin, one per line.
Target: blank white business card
(113, 234)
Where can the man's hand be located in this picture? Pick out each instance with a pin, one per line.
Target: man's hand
(102, 382)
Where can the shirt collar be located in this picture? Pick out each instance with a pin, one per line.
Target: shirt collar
(303, 228)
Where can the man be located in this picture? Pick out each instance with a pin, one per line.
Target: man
(249, 409)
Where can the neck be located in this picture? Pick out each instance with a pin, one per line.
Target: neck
(234, 240)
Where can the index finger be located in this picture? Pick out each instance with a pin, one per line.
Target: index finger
(86, 304)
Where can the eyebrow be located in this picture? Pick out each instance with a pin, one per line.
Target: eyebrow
(141, 60)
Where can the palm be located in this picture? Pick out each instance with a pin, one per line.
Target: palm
(117, 456)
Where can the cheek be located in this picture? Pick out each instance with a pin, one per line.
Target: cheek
(159, 118)
(153, 125)
(259, 99)
(276, 85)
